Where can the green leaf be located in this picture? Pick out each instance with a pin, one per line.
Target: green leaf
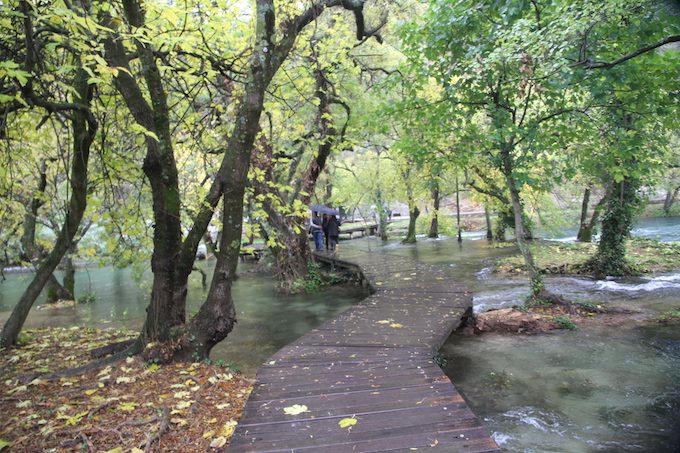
(347, 422)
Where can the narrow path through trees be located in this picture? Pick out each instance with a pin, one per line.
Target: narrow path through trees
(366, 380)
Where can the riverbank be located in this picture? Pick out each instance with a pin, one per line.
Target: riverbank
(647, 256)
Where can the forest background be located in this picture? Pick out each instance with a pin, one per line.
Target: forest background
(133, 131)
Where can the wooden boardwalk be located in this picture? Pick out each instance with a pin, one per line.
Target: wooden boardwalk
(366, 381)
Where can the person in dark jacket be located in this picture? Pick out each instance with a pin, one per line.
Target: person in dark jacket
(331, 227)
(316, 228)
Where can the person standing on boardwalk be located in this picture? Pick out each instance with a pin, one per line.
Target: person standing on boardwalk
(331, 227)
(316, 228)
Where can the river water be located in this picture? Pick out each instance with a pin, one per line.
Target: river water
(596, 389)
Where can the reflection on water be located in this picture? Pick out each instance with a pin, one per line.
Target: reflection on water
(267, 321)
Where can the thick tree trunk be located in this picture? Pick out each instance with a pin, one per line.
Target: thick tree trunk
(617, 223)
(84, 129)
(56, 291)
(410, 238)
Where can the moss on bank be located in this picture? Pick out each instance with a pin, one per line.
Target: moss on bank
(645, 255)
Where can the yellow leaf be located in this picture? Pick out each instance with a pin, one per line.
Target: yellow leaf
(154, 367)
(295, 409)
(136, 450)
(398, 326)
(219, 442)
(127, 406)
(4, 443)
(209, 434)
(214, 420)
(228, 429)
(90, 392)
(347, 422)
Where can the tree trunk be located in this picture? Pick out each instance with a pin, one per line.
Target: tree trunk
(671, 195)
(617, 222)
(55, 291)
(489, 226)
(460, 238)
(585, 230)
(587, 227)
(537, 286)
(84, 130)
(434, 224)
(410, 238)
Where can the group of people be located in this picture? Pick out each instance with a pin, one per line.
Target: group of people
(327, 226)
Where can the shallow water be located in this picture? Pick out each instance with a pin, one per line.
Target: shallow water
(267, 321)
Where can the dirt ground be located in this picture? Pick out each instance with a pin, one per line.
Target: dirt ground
(126, 407)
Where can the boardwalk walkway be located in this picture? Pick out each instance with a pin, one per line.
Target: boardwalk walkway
(371, 369)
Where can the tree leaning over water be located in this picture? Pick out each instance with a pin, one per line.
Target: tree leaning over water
(173, 337)
(132, 57)
(25, 89)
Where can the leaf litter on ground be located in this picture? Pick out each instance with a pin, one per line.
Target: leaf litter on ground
(129, 406)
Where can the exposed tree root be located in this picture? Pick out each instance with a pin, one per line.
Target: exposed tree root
(165, 424)
(545, 296)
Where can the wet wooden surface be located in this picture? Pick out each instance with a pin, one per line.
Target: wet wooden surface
(371, 366)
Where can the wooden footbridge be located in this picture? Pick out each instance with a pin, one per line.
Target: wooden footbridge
(366, 381)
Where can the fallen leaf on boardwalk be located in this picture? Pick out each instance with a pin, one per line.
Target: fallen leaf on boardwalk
(347, 422)
(398, 326)
(295, 409)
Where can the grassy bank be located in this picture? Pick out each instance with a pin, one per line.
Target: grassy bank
(646, 255)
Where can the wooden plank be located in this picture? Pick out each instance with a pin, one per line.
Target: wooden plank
(373, 364)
